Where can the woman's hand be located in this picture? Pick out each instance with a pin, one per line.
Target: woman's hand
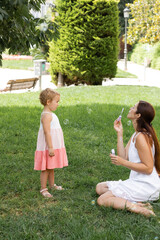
(118, 126)
(51, 152)
(116, 159)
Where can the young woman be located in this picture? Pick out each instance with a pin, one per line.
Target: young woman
(142, 156)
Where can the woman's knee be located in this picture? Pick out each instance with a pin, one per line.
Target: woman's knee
(100, 201)
(98, 188)
(106, 199)
(101, 188)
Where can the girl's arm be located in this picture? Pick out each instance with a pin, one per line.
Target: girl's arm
(121, 150)
(46, 121)
(145, 154)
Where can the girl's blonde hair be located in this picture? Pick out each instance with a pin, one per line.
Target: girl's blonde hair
(47, 94)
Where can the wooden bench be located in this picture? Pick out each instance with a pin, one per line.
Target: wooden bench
(19, 84)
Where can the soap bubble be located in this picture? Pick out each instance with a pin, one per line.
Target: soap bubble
(129, 123)
(89, 110)
(95, 151)
(66, 121)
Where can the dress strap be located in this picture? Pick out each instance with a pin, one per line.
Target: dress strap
(134, 136)
(46, 112)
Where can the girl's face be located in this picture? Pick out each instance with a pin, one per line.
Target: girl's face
(132, 112)
(54, 103)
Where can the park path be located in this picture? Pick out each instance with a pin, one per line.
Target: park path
(11, 74)
(145, 77)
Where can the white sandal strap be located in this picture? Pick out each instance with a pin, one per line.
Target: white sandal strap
(45, 189)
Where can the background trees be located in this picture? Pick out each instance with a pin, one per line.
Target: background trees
(87, 48)
(144, 32)
(17, 25)
(144, 26)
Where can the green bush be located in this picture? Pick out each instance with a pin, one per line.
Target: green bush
(155, 63)
(143, 52)
(87, 48)
(140, 52)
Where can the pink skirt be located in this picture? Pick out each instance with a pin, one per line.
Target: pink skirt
(43, 161)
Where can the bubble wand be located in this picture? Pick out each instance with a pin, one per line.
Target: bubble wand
(120, 116)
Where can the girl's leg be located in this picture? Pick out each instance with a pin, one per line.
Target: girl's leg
(51, 178)
(51, 181)
(43, 178)
(101, 188)
(109, 200)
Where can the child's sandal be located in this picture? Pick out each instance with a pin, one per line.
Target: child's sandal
(57, 187)
(44, 192)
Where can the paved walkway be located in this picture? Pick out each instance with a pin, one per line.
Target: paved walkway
(11, 74)
(146, 77)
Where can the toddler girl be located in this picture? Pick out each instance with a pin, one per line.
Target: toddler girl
(50, 152)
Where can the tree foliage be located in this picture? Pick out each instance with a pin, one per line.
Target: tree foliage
(144, 26)
(87, 48)
(17, 25)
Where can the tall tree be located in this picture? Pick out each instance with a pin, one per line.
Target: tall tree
(144, 26)
(87, 49)
(17, 25)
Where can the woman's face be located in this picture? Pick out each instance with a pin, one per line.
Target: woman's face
(132, 112)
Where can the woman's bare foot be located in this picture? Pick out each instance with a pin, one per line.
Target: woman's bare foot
(146, 205)
(141, 209)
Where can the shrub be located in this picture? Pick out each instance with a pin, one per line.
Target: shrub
(155, 63)
(140, 52)
(143, 52)
(87, 48)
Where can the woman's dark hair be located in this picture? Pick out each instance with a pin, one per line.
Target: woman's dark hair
(144, 125)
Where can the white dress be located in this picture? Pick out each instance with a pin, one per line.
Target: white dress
(42, 160)
(139, 187)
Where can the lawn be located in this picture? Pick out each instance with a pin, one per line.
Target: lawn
(123, 74)
(25, 64)
(86, 115)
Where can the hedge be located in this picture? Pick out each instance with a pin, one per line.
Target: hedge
(87, 48)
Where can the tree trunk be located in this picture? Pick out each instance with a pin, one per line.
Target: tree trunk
(60, 80)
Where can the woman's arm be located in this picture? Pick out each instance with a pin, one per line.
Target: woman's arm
(145, 154)
(46, 121)
(121, 150)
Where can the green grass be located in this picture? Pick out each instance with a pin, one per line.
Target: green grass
(28, 64)
(18, 64)
(89, 137)
(122, 74)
